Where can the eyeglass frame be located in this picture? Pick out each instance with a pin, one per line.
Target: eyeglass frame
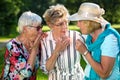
(61, 23)
(37, 27)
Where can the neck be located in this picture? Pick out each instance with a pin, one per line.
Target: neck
(24, 40)
(56, 36)
(96, 33)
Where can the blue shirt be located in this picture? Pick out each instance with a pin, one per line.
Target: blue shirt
(109, 48)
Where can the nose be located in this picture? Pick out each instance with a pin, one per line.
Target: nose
(65, 25)
(79, 23)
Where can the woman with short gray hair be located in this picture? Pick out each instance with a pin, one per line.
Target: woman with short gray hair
(22, 53)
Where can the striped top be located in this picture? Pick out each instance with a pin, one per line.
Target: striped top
(67, 66)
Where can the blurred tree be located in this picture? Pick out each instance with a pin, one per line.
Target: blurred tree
(112, 8)
(36, 6)
(8, 12)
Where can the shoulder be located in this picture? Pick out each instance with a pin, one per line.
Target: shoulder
(10, 43)
(110, 37)
(78, 35)
(48, 37)
(72, 31)
(110, 46)
(110, 40)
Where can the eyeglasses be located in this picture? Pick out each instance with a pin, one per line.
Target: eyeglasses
(37, 27)
(61, 24)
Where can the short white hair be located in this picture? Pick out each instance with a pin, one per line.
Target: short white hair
(28, 18)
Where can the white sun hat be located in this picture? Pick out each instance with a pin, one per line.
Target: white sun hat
(89, 11)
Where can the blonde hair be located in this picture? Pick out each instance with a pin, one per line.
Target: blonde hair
(55, 12)
(28, 19)
(92, 25)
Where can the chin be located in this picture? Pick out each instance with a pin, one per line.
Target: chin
(64, 34)
(84, 33)
(33, 38)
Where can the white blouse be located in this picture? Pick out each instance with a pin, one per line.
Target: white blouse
(67, 66)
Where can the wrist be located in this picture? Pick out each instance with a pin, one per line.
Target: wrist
(85, 53)
(56, 52)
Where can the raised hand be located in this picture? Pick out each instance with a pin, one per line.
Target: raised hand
(62, 43)
(80, 46)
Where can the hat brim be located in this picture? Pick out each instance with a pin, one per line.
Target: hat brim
(74, 17)
(77, 17)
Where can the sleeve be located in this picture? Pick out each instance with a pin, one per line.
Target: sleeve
(80, 37)
(43, 57)
(110, 46)
(7, 64)
(18, 62)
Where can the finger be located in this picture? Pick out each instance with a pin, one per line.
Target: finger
(45, 34)
(66, 42)
(38, 37)
(40, 31)
(37, 40)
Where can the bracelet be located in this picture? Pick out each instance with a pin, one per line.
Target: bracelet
(85, 53)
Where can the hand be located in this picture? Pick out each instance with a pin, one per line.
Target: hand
(43, 35)
(40, 36)
(62, 43)
(80, 46)
(36, 43)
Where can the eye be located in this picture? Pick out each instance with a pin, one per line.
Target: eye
(37, 27)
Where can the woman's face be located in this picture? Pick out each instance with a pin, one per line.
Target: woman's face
(60, 27)
(33, 31)
(83, 25)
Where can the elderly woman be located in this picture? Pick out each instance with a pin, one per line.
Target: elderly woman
(22, 53)
(59, 57)
(102, 50)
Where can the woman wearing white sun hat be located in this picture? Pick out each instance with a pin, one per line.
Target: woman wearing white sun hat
(102, 49)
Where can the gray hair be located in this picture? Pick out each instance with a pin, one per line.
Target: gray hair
(28, 19)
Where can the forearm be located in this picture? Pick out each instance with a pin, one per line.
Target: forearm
(32, 58)
(102, 69)
(50, 64)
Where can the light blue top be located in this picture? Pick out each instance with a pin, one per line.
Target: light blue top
(110, 51)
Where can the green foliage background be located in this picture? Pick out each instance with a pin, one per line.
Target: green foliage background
(10, 11)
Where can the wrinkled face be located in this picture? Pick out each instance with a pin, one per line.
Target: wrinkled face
(33, 31)
(60, 27)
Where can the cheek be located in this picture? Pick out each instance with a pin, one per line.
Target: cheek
(83, 29)
(86, 31)
(78, 26)
(34, 33)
